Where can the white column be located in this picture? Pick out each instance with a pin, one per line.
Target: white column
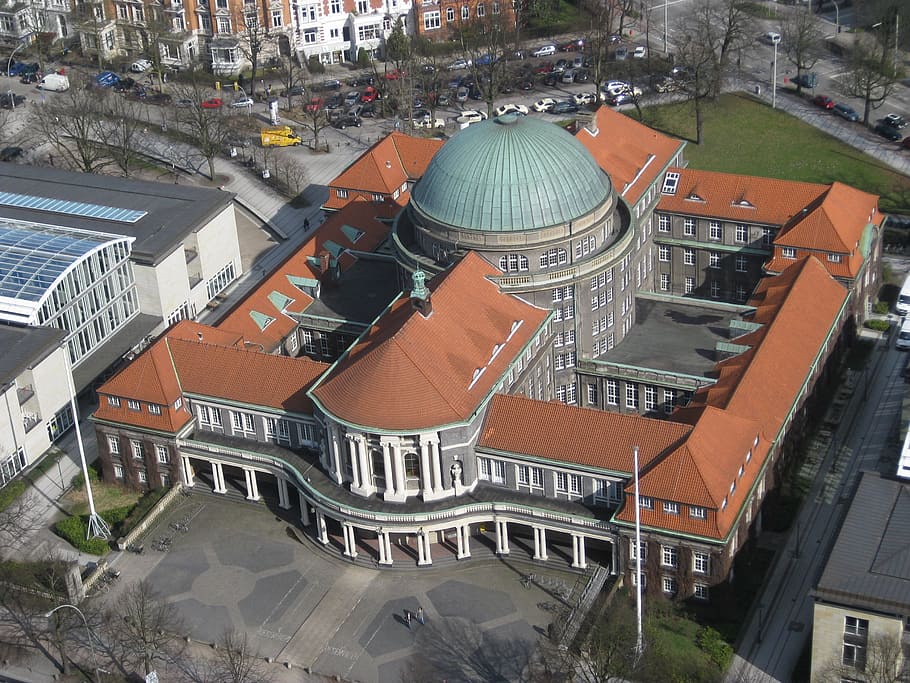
(502, 538)
(187, 472)
(350, 544)
(425, 484)
(366, 478)
(614, 569)
(427, 554)
(351, 453)
(460, 542)
(578, 552)
(542, 533)
(401, 487)
(335, 448)
(387, 539)
(218, 478)
(255, 484)
(387, 470)
(284, 500)
(581, 553)
(304, 509)
(246, 482)
(321, 534)
(435, 456)
(421, 558)
(536, 543)
(466, 543)
(385, 547)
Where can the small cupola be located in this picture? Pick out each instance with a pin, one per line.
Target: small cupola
(420, 295)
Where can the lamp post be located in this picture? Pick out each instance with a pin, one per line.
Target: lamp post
(639, 644)
(87, 629)
(836, 16)
(774, 78)
(9, 65)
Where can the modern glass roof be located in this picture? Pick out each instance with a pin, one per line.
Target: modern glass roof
(34, 256)
(83, 209)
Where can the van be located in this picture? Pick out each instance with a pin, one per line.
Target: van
(902, 306)
(279, 136)
(903, 337)
(54, 83)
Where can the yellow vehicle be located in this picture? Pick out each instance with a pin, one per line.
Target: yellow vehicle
(279, 136)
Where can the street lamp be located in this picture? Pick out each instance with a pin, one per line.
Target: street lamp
(836, 16)
(9, 65)
(87, 629)
(774, 78)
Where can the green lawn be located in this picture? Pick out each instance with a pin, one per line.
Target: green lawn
(743, 135)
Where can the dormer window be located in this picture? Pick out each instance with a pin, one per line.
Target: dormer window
(133, 405)
(788, 252)
(834, 258)
(113, 401)
(178, 403)
(696, 512)
(671, 508)
(646, 503)
(154, 409)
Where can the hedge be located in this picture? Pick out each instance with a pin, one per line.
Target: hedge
(11, 492)
(875, 324)
(74, 530)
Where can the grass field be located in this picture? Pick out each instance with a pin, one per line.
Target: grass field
(744, 135)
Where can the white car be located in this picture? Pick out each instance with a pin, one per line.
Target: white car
(511, 109)
(640, 52)
(242, 102)
(430, 123)
(584, 98)
(771, 38)
(459, 64)
(140, 66)
(544, 51)
(614, 88)
(544, 104)
(471, 116)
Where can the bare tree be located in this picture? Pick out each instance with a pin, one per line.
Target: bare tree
(143, 629)
(293, 76)
(604, 21)
(122, 132)
(90, 15)
(208, 128)
(873, 73)
(315, 117)
(803, 41)
(69, 122)
(237, 661)
(487, 41)
(256, 38)
(881, 661)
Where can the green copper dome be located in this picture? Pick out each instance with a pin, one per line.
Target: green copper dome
(508, 174)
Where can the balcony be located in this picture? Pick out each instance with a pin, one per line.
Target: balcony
(30, 421)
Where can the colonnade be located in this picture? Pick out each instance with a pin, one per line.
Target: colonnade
(422, 535)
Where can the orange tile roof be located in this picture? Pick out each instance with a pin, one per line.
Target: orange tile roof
(583, 436)
(631, 153)
(413, 372)
(385, 167)
(301, 264)
(733, 197)
(179, 363)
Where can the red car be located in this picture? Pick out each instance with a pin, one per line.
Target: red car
(543, 68)
(394, 75)
(315, 104)
(369, 94)
(212, 103)
(823, 101)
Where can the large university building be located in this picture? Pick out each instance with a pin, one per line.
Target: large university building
(545, 311)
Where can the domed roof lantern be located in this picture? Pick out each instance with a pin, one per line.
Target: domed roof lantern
(420, 294)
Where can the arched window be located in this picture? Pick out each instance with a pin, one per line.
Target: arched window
(450, 14)
(465, 12)
(378, 463)
(412, 471)
(481, 10)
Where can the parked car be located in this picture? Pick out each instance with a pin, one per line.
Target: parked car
(30, 78)
(11, 100)
(543, 68)
(106, 79)
(770, 38)
(394, 75)
(20, 68)
(665, 84)
(544, 51)
(639, 52)
(584, 98)
(845, 112)
(543, 104)
(620, 98)
(430, 123)
(471, 116)
(345, 121)
(140, 66)
(459, 64)
(331, 84)
(352, 98)
(895, 120)
(212, 103)
(573, 45)
(361, 81)
(809, 80)
(568, 76)
(484, 60)
(294, 91)
(511, 109)
(124, 84)
(564, 107)
(369, 94)
(621, 53)
(10, 153)
(461, 95)
(887, 131)
(183, 103)
(823, 101)
(315, 104)
(242, 102)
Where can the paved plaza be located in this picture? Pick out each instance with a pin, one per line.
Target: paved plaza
(241, 566)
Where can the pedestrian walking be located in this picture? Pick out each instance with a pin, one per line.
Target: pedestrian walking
(306, 223)
(407, 618)
(420, 617)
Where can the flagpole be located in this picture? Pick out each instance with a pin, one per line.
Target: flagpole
(638, 641)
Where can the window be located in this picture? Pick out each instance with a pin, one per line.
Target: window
(663, 224)
(854, 626)
(113, 445)
(143, 478)
(465, 13)
(553, 257)
(701, 591)
(277, 20)
(492, 470)
(741, 293)
(690, 285)
(136, 447)
(689, 257)
(363, 6)
(592, 394)
(713, 259)
(178, 403)
(154, 409)
(700, 563)
(669, 585)
(118, 471)
(834, 258)
(632, 396)
(715, 289)
(663, 253)
(481, 10)
(650, 398)
(161, 454)
(742, 233)
(568, 483)
(644, 551)
(513, 263)
(495, 8)
(133, 405)
(335, 6)
(646, 503)
(224, 25)
(715, 231)
(767, 237)
(689, 227)
(530, 476)
(612, 392)
(741, 263)
(671, 508)
(431, 20)
(671, 180)
(669, 400)
(788, 252)
(855, 656)
(113, 401)
(669, 556)
(665, 282)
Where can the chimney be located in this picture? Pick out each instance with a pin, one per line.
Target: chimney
(420, 295)
(325, 259)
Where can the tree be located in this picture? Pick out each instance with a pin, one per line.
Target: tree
(123, 133)
(237, 662)
(873, 73)
(315, 116)
(884, 663)
(155, 33)
(256, 38)
(487, 41)
(208, 128)
(604, 21)
(143, 629)
(803, 41)
(292, 76)
(90, 15)
(70, 122)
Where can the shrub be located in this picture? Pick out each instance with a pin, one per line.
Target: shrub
(880, 307)
(879, 325)
(11, 492)
(74, 529)
(139, 511)
(78, 482)
(363, 59)
(314, 66)
(712, 644)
